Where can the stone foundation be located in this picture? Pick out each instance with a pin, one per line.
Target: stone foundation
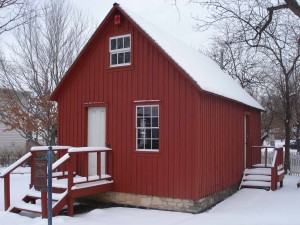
(154, 202)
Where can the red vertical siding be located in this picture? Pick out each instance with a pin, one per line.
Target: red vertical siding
(201, 135)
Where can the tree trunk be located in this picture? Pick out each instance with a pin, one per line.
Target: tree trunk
(287, 146)
(298, 136)
(287, 123)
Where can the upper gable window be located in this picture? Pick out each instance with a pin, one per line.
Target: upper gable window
(120, 50)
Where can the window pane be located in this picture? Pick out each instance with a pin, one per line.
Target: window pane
(140, 122)
(120, 43)
(154, 111)
(147, 144)
(155, 133)
(113, 59)
(140, 111)
(113, 44)
(148, 133)
(140, 144)
(155, 144)
(147, 111)
(120, 58)
(127, 57)
(155, 122)
(126, 42)
(147, 122)
(144, 123)
(141, 133)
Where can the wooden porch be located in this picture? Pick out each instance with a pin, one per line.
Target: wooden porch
(264, 174)
(67, 184)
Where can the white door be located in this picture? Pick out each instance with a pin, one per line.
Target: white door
(96, 136)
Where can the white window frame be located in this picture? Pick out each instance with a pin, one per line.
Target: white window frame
(137, 128)
(122, 50)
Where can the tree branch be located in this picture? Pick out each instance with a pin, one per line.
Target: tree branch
(293, 6)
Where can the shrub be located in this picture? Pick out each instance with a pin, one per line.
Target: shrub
(9, 156)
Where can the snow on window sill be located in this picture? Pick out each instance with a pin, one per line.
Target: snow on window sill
(147, 150)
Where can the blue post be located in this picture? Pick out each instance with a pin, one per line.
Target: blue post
(49, 153)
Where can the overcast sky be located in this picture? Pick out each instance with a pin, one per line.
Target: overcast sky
(159, 12)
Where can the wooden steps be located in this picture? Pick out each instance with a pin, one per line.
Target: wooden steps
(26, 206)
(66, 185)
(33, 194)
(256, 184)
(264, 178)
(30, 202)
(257, 178)
(258, 171)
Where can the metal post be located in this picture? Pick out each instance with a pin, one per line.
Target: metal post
(49, 152)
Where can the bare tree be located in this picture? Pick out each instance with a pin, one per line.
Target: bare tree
(267, 116)
(257, 16)
(238, 60)
(13, 13)
(275, 35)
(295, 100)
(46, 47)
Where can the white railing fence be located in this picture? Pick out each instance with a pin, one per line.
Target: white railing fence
(295, 163)
(294, 160)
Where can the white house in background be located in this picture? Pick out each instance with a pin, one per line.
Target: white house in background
(11, 140)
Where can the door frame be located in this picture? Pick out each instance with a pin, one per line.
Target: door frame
(247, 140)
(86, 106)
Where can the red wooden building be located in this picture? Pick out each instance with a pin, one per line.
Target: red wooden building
(164, 127)
(179, 127)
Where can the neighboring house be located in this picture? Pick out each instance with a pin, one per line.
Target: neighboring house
(179, 127)
(10, 140)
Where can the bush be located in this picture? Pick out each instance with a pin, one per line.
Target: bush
(9, 156)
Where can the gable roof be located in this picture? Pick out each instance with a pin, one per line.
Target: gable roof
(201, 69)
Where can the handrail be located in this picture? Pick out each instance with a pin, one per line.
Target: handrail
(6, 175)
(60, 161)
(86, 150)
(45, 148)
(69, 157)
(262, 146)
(274, 159)
(15, 164)
(89, 149)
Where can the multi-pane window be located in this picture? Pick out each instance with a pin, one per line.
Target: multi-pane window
(147, 127)
(120, 50)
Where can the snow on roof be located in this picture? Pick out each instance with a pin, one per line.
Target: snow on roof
(203, 70)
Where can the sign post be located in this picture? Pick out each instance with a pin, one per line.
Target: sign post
(49, 154)
(40, 174)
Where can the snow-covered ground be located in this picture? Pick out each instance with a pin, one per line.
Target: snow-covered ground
(247, 206)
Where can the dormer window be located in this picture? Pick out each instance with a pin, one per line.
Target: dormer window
(120, 50)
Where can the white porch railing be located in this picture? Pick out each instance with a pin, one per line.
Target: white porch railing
(294, 160)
